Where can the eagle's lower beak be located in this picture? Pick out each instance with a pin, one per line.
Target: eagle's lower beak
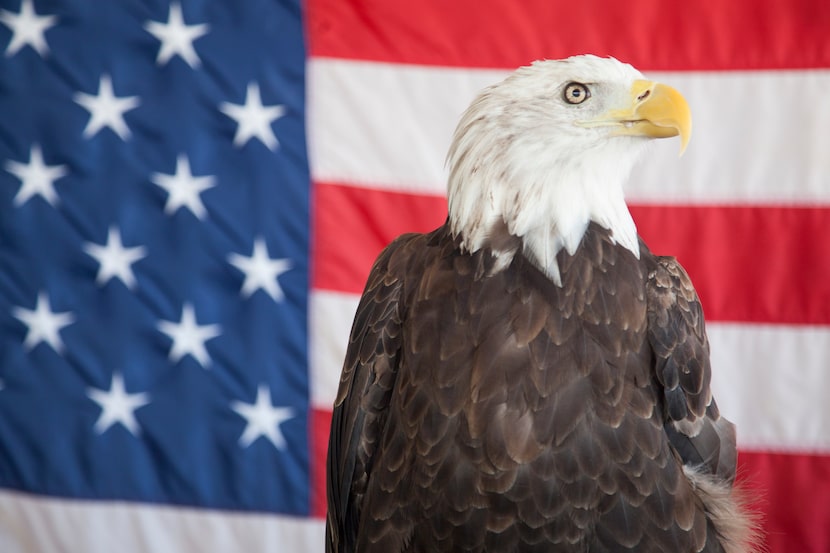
(656, 111)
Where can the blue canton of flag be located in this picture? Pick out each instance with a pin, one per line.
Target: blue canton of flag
(154, 200)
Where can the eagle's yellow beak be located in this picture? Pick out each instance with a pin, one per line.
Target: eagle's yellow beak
(656, 111)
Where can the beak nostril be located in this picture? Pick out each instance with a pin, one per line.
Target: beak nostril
(644, 95)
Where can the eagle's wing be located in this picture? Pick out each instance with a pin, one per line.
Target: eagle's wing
(366, 383)
(677, 335)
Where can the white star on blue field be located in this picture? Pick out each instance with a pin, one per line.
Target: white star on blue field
(154, 214)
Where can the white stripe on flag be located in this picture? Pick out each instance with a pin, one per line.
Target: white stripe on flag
(386, 125)
(330, 321)
(764, 379)
(759, 374)
(389, 126)
(33, 523)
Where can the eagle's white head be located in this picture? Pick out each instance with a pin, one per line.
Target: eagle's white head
(544, 152)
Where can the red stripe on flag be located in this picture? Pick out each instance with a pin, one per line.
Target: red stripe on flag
(702, 35)
(352, 225)
(792, 495)
(749, 264)
(320, 424)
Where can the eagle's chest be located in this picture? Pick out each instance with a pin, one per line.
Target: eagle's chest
(514, 361)
(518, 400)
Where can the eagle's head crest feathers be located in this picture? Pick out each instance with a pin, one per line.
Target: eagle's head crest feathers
(543, 153)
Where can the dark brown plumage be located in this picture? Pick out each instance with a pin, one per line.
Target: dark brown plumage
(553, 435)
(498, 397)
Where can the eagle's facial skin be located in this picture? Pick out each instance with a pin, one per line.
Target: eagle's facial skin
(654, 110)
(541, 154)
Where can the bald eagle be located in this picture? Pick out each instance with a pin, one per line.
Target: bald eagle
(529, 376)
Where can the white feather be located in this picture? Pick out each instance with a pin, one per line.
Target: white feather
(519, 160)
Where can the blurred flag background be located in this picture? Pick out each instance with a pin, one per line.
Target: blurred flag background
(192, 193)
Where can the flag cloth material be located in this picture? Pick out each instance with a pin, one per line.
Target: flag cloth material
(178, 277)
(154, 237)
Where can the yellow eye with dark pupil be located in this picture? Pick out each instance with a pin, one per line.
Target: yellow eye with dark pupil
(576, 93)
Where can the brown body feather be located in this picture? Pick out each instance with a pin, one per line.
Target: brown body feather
(492, 410)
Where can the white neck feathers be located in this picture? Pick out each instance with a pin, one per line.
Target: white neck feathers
(539, 188)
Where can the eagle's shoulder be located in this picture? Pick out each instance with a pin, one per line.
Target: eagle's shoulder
(404, 257)
(677, 334)
(669, 283)
(368, 377)
(375, 338)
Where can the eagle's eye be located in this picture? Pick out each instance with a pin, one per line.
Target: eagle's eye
(576, 93)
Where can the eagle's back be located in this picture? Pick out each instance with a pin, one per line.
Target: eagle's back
(497, 411)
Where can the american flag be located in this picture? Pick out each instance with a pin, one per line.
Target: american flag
(179, 264)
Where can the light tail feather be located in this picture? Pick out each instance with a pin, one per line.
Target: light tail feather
(729, 507)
